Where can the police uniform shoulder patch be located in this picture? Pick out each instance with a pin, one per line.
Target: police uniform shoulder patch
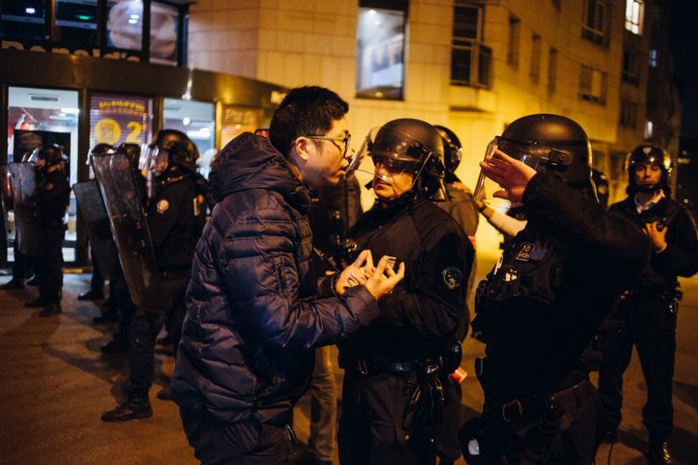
(162, 206)
(452, 277)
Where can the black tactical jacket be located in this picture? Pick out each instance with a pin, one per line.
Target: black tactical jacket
(543, 302)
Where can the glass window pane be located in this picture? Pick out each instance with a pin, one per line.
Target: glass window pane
(23, 20)
(196, 120)
(116, 119)
(46, 116)
(125, 24)
(380, 53)
(164, 30)
(76, 22)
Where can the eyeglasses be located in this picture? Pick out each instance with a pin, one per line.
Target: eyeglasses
(346, 140)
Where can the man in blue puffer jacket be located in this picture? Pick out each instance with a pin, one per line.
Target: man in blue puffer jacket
(254, 306)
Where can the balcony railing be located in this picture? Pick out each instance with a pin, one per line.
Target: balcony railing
(471, 63)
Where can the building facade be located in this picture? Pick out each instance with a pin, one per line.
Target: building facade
(124, 68)
(473, 66)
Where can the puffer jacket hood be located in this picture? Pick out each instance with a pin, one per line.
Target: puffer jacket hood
(250, 162)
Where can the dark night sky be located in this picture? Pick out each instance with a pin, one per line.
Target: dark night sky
(683, 39)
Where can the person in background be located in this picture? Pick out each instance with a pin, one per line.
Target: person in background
(332, 212)
(646, 317)
(393, 401)
(119, 295)
(464, 209)
(53, 200)
(540, 309)
(176, 214)
(256, 309)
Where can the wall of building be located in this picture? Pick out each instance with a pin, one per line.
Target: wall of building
(305, 42)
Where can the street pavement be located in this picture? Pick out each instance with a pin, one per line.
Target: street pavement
(55, 383)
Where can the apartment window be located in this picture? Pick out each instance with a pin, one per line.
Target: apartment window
(535, 57)
(470, 58)
(592, 85)
(595, 21)
(381, 49)
(514, 39)
(653, 58)
(628, 114)
(552, 69)
(634, 12)
(630, 68)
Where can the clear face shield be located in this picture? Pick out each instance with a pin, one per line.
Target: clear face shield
(154, 159)
(34, 158)
(531, 154)
(391, 155)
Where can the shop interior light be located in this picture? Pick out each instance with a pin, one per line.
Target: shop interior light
(30, 11)
(70, 111)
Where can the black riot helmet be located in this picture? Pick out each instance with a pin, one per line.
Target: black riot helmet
(453, 152)
(171, 147)
(132, 152)
(648, 154)
(417, 147)
(47, 156)
(97, 150)
(551, 144)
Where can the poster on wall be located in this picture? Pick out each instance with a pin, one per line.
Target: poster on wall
(115, 120)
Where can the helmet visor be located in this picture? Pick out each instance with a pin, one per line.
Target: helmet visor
(154, 159)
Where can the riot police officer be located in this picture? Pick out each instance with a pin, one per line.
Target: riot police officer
(646, 317)
(176, 212)
(538, 310)
(119, 297)
(462, 207)
(53, 198)
(392, 404)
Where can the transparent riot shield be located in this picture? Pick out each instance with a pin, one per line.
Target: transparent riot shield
(5, 203)
(130, 230)
(26, 209)
(94, 215)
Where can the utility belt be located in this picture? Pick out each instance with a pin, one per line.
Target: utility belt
(368, 368)
(543, 405)
(657, 293)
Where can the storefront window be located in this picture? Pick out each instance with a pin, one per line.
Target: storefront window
(76, 22)
(125, 24)
(117, 119)
(196, 120)
(164, 30)
(23, 20)
(38, 117)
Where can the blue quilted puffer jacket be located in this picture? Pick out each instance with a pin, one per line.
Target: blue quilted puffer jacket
(254, 306)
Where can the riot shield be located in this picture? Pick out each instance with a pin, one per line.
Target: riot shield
(26, 207)
(5, 202)
(130, 230)
(94, 214)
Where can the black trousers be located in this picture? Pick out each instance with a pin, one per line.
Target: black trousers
(372, 428)
(649, 323)
(145, 327)
(567, 438)
(49, 266)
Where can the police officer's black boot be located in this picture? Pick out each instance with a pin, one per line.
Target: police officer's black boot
(51, 309)
(37, 303)
(132, 409)
(118, 345)
(658, 453)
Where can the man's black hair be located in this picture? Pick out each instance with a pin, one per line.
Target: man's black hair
(305, 111)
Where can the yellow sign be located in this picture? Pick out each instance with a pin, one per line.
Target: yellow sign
(107, 131)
